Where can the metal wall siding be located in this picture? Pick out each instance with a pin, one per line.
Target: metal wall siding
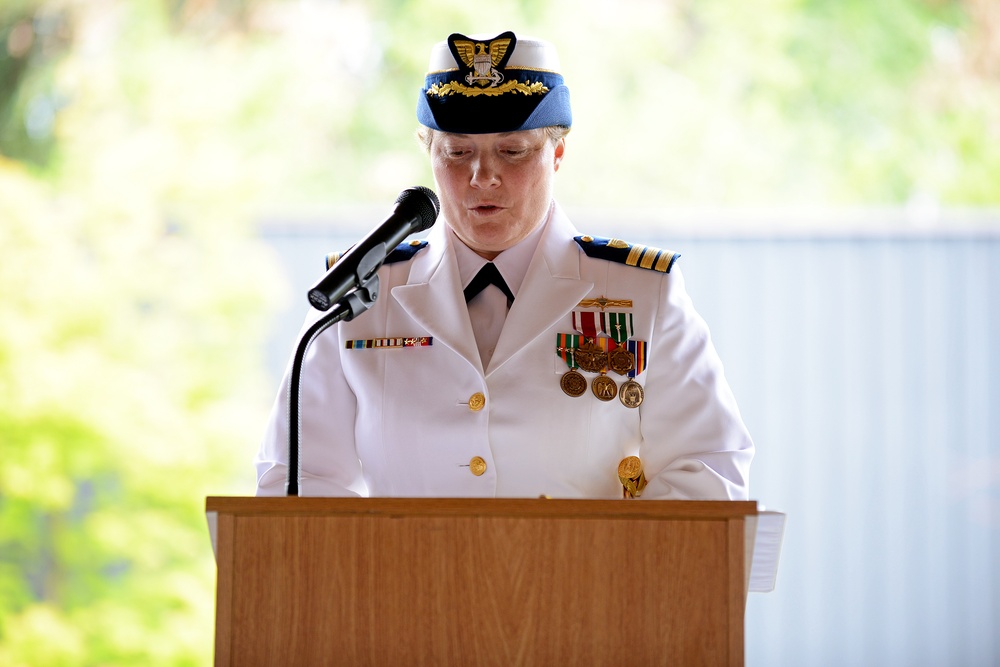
(868, 372)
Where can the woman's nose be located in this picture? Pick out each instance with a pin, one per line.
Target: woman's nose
(485, 173)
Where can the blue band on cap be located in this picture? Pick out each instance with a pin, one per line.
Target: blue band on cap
(483, 95)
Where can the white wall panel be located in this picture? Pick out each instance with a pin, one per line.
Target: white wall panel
(868, 371)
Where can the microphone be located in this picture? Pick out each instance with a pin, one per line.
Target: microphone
(416, 210)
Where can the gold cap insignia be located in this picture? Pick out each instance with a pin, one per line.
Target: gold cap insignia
(483, 58)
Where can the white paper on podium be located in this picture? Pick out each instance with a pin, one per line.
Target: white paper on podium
(213, 529)
(766, 547)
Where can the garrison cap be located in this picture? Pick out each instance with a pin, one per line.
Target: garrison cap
(481, 85)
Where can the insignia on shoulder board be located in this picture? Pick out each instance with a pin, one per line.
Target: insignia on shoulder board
(630, 254)
(401, 253)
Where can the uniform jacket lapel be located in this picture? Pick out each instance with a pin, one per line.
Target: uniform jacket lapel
(433, 298)
(551, 288)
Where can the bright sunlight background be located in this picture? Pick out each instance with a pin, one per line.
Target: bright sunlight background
(170, 171)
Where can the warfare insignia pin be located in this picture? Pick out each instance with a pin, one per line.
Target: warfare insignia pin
(603, 302)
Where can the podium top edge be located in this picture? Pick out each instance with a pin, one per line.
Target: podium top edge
(498, 507)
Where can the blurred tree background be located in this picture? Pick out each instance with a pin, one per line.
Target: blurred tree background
(142, 141)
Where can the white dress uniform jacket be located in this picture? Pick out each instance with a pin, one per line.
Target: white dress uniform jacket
(400, 421)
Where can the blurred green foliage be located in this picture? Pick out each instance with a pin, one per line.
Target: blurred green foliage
(141, 140)
(133, 312)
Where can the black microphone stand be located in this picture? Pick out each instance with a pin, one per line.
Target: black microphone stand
(347, 308)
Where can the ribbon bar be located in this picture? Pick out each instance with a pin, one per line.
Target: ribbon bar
(389, 343)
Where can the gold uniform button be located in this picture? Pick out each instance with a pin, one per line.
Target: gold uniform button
(477, 402)
(477, 465)
(587, 239)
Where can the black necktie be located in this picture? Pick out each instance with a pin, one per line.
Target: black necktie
(488, 275)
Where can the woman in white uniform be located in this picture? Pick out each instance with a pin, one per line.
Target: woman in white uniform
(509, 355)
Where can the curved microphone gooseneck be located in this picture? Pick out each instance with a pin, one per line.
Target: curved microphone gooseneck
(348, 289)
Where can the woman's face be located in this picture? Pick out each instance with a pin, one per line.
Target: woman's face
(495, 189)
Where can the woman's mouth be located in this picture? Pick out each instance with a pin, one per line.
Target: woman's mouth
(486, 209)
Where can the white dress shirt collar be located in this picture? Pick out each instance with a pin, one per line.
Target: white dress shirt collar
(512, 263)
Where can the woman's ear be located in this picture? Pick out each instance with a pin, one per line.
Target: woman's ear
(560, 149)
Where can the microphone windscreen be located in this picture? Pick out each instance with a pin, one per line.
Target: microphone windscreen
(423, 202)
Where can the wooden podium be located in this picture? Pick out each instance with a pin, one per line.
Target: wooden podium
(329, 581)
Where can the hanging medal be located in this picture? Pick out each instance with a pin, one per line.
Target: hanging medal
(591, 356)
(604, 387)
(619, 328)
(631, 393)
(572, 382)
